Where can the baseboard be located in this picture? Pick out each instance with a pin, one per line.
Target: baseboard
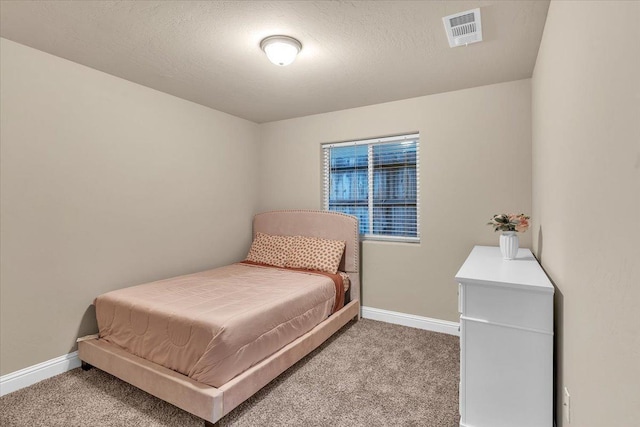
(411, 320)
(36, 373)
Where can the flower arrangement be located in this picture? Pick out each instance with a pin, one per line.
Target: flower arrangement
(510, 222)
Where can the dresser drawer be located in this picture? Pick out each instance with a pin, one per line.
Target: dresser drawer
(508, 377)
(508, 306)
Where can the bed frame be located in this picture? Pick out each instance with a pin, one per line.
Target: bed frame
(211, 403)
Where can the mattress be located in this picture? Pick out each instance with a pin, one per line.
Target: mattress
(213, 325)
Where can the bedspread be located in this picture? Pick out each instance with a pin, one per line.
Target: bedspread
(213, 325)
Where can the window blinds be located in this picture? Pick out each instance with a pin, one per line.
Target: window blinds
(376, 180)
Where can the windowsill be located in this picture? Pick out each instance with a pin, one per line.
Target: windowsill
(415, 242)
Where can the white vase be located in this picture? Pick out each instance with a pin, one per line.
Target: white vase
(509, 243)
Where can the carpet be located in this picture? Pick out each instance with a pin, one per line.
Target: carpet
(368, 374)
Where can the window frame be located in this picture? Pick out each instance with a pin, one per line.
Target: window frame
(370, 201)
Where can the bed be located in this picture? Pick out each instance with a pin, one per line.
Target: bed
(188, 380)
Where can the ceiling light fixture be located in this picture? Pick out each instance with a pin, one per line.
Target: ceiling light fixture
(281, 50)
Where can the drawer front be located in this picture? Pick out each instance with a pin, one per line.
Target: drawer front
(509, 306)
(508, 378)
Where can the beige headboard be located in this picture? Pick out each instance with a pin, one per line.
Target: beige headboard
(324, 224)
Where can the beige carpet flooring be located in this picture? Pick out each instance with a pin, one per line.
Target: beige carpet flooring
(368, 374)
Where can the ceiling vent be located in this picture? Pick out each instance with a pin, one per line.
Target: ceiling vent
(463, 28)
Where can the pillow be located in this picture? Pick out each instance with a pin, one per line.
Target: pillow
(271, 250)
(313, 253)
(346, 281)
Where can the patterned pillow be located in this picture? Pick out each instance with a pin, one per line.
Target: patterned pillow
(346, 281)
(271, 250)
(313, 253)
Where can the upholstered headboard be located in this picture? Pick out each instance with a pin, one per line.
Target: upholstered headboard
(324, 224)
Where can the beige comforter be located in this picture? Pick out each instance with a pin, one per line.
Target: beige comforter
(215, 324)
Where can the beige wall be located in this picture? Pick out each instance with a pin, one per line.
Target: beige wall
(106, 184)
(586, 181)
(475, 160)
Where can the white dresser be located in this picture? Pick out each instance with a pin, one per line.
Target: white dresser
(506, 341)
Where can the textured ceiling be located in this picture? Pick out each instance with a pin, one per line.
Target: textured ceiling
(354, 53)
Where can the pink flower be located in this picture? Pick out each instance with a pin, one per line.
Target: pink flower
(523, 224)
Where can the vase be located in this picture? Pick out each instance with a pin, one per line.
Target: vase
(509, 243)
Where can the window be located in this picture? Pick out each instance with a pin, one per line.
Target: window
(376, 180)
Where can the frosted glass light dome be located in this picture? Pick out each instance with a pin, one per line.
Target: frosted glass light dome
(281, 50)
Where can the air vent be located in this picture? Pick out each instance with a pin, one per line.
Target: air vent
(463, 28)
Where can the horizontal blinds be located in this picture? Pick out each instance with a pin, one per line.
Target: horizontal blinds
(378, 181)
(394, 185)
(346, 182)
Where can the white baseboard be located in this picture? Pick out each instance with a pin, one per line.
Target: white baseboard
(36, 373)
(411, 320)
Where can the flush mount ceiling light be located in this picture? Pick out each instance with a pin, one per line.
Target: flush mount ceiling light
(281, 50)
